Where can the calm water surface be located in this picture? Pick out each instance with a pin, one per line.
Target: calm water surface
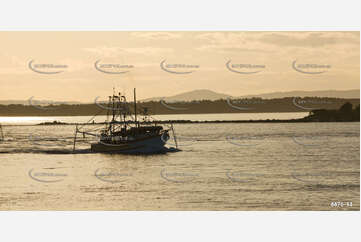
(304, 166)
(193, 117)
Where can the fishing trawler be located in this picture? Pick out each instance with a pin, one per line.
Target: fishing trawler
(125, 134)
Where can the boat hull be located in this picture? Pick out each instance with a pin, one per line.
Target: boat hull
(149, 145)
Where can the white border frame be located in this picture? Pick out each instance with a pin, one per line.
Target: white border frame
(157, 15)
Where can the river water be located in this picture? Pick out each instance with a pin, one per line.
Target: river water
(192, 117)
(223, 166)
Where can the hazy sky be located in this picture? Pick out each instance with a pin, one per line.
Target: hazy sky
(206, 52)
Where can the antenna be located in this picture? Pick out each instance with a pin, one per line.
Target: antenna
(135, 108)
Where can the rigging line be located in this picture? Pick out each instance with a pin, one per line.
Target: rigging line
(91, 119)
(96, 129)
(159, 121)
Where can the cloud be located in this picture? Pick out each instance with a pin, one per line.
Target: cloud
(231, 42)
(119, 51)
(156, 35)
(232, 49)
(223, 37)
(309, 39)
(281, 44)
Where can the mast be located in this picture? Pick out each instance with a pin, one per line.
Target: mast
(135, 108)
(113, 100)
(1, 133)
(108, 113)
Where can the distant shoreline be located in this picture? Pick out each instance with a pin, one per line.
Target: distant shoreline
(346, 113)
(165, 114)
(189, 122)
(246, 106)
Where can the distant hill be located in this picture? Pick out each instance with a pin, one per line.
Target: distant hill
(205, 94)
(202, 94)
(355, 93)
(252, 105)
